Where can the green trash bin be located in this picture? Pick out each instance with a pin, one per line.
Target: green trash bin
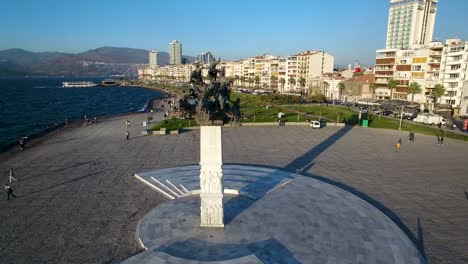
(365, 123)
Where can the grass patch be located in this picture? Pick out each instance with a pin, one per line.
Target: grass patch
(174, 124)
(389, 123)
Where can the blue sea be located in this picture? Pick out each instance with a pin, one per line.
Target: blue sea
(29, 106)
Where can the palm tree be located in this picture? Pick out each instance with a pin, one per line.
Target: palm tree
(373, 86)
(250, 81)
(341, 87)
(439, 91)
(292, 81)
(257, 80)
(236, 78)
(413, 88)
(392, 84)
(273, 80)
(326, 85)
(282, 81)
(302, 82)
(242, 79)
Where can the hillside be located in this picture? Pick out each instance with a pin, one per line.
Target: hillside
(96, 62)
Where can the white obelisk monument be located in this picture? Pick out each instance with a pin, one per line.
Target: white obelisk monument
(211, 177)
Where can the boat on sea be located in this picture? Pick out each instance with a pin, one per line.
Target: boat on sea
(79, 84)
(109, 82)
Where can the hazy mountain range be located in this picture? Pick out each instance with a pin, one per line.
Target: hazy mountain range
(96, 62)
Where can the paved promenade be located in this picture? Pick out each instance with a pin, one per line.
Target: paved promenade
(78, 202)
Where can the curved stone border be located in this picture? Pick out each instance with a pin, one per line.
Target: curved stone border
(330, 224)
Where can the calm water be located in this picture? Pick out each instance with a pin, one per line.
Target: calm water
(29, 105)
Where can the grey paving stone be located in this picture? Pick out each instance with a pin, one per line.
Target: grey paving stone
(86, 173)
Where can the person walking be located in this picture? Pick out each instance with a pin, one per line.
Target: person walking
(9, 191)
(22, 142)
(10, 177)
(127, 135)
(398, 145)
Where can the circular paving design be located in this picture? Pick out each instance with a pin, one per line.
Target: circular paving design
(296, 220)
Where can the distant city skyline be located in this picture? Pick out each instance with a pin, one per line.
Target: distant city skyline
(350, 31)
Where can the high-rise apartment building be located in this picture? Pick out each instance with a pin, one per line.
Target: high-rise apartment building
(175, 53)
(454, 74)
(410, 22)
(205, 57)
(153, 58)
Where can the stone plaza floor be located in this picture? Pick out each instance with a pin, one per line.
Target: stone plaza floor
(78, 201)
(279, 217)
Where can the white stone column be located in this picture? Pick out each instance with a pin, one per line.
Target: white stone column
(211, 177)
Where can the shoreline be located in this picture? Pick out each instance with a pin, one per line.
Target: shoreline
(35, 139)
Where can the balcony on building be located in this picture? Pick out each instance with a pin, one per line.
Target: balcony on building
(386, 61)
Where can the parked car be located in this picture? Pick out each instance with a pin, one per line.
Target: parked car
(388, 113)
(314, 124)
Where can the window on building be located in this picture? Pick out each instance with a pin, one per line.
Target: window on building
(452, 93)
(450, 102)
(453, 75)
(455, 67)
(417, 68)
(453, 85)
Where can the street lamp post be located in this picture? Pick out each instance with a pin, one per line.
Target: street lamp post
(401, 117)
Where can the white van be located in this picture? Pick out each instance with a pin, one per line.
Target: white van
(314, 124)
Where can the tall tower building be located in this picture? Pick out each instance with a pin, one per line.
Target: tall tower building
(175, 53)
(153, 58)
(410, 22)
(206, 57)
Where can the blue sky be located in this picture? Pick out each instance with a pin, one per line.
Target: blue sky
(232, 29)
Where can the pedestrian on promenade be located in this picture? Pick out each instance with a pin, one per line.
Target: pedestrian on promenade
(22, 142)
(10, 177)
(411, 136)
(127, 135)
(9, 191)
(193, 137)
(442, 139)
(398, 145)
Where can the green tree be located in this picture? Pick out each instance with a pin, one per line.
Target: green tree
(273, 80)
(414, 88)
(250, 81)
(302, 82)
(242, 79)
(439, 91)
(373, 86)
(326, 85)
(236, 78)
(292, 81)
(392, 84)
(282, 81)
(341, 87)
(257, 81)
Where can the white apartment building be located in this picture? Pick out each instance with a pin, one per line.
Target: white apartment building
(428, 65)
(453, 74)
(410, 22)
(282, 74)
(175, 53)
(153, 58)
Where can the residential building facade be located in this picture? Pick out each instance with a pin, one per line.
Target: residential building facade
(301, 73)
(453, 74)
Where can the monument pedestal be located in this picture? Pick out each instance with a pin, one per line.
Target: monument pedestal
(211, 175)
